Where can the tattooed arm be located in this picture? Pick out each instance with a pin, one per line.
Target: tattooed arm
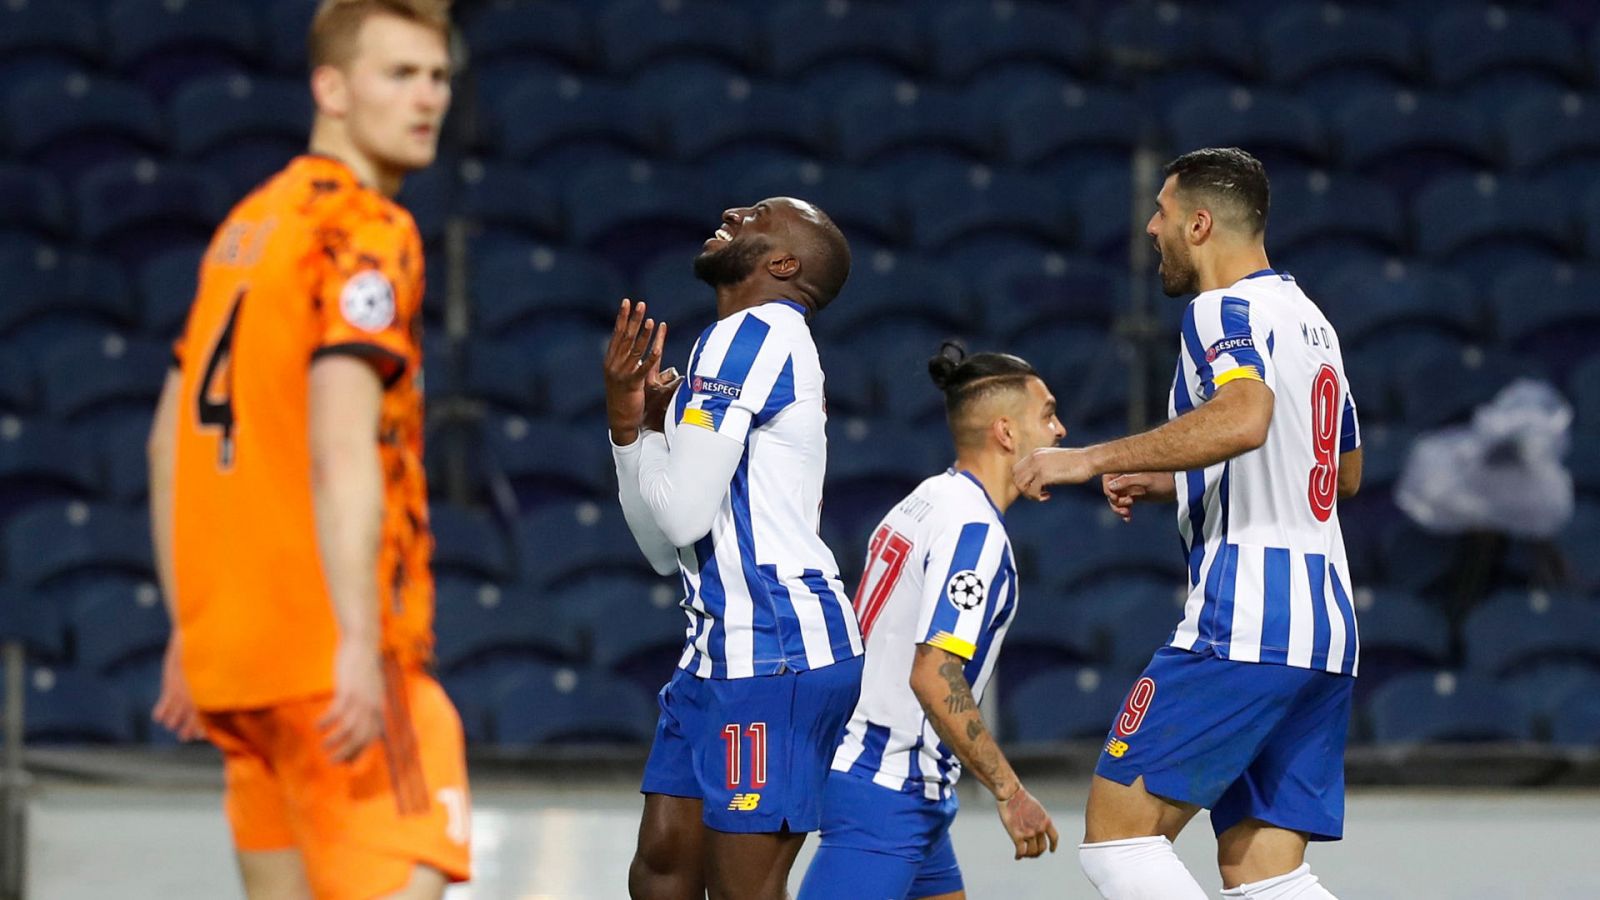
(938, 680)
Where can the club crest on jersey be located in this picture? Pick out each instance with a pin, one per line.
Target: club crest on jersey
(716, 387)
(744, 802)
(1228, 345)
(367, 301)
(966, 589)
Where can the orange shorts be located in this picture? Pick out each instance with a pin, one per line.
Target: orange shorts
(360, 827)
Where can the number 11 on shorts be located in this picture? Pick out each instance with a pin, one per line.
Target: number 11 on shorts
(732, 735)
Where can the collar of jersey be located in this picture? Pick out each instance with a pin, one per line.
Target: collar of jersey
(981, 489)
(1265, 272)
(797, 307)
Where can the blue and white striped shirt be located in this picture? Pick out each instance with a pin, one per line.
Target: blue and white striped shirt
(762, 590)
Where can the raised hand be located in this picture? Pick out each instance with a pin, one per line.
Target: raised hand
(631, 360)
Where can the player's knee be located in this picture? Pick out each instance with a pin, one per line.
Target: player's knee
(1138, 869)
(1297, 885)
(658, 874)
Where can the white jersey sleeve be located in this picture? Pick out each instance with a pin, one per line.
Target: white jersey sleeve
(963, 572)
(1225, 341)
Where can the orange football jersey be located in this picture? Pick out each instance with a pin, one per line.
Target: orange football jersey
(311, 263)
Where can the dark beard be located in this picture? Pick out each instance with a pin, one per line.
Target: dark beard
(1176, 282)
(731, 264)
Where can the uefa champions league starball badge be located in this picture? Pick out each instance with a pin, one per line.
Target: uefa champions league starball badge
(966, 589)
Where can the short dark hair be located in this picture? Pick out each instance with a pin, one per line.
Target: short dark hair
(965, 380)
(1229, 177)
(829, 260)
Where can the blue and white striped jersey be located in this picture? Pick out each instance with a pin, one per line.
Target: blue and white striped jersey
(761, 589)
(1268, 578)
(939, 572)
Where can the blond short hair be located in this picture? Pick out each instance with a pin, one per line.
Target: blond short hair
(337, 23)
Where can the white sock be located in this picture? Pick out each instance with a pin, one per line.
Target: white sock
(1297, 885)
(1138, 869)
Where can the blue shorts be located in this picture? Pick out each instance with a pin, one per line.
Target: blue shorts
(881, 844)
(754, 751)
(1244, 740)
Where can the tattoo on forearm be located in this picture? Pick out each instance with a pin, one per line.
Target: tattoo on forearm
(960, 699)
(974, 729)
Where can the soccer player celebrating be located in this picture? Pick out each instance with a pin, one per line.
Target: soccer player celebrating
(721, 479)
(938, 594)
(289, 509)
(1245, 710)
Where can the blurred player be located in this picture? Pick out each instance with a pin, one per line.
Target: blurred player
(287, 496)
(721, 480)
(938, 594)
(1245, 711)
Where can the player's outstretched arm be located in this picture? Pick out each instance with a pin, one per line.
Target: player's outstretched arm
(1122, 490)
(938, 680)
(175, 708)
(346, 398)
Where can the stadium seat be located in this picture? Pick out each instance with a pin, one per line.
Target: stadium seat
(1515, 629)
(510, 204)
(632, 626)
(1384, 308)
(1442, 387)
(1023, 292)
(1548, 309)
(573, 111)
(562, 544)
(639, 207)
(872, 120)
(121, 467)
(888, 290)
(1173, 37)
(32, 619)
(1540, 130)
(1416, 561)
(571, 398)
(118, 625)
(801, 35)
(1047, 633)
(550, 462)
(873, 464)
(243, 128)
(287, 23)
(167, 286)
(1407, 138)
(1303, 41)
(31, 202)
(573, 706)
(704, 118)
(962, 204)
(1478, 222)
(138, 209)
(1070, 119)
(1577, 724)
(40, 462)
(1584, 390)
(163, 44)
(1270, 125)
(428, 196)
(503, 374)
(482, 628)
(17, 388)
(1075, 703)
(513, 31)
(856, 201)
(1101, 203)
(519, 288)
(67, 706)
(1446, 707)
(1577, 547)
(52, 543)
(633, 32)
(1463, 44)
(968, 38)
(468, 542)
(46, 34)
(69, 124)
(1399, 634)
(1346, 209)
(1102, 545)
(52, 295)
(85, 377)
(1130, 617)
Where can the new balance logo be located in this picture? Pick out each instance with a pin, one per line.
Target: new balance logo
(744, 802)
(1116, 748)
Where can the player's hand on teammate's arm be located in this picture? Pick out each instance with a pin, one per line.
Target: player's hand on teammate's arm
(355, 718)
(1038, 470)
(1027, 823)
(1123, 489)
(174, 709)
(632, 358)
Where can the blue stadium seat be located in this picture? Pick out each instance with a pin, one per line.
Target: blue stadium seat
(1442, 387)
(1514, 629)
(571, 399)
(1076, 703)
(702, 119)
(633, 32)
(1171, 37)
(167, 285)
(1023, 292)
(40, 462)
(872, 120)
(561, 544)
(1102, 545)
(550, 462)
(17, 388)
(137, 209)
(1417, 561)
(1341, 209)
(1478, 220)
(1541, 130)
(856, 201)
(518, 288)
(1048, 633)
(888, 290)
(1548, 309)
(117, 450)
(243, 128)
(117, 626)
(573, 706)
(468, 542)
(1446, 707)
(482, 628)
(1408, 138)
(507, 201)
(1584, 390)
(102, 375)
(69, 124)
(1069, 119)
(951, 205)
(503, 374)
(1131, 617)
(164, 44)
(31, 202)
(52, 295)
(1303, 41)
(1384, 308)
(573, 111)
(53, 543)
(632, 627)
(513, 31)
(654, 206)
(1399, 634)
(873, 464)
(1577, 546)
(32, 619)
(803, 34)
(1463, 44)
(1087, 372)
(40, 35)
(1577, 724)
(1101, 204)
(968, 38)
(428, 196)
(287, 23)
(67, 706)
(1270, 125)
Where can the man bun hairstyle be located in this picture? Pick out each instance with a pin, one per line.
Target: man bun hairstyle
(965, 380)
(337, 23)
(1229, 182)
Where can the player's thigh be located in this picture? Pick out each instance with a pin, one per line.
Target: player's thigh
(1253, 850)
(1118, 812)
(750, 866)
(273, 875)
(671, 838)
(427, 883)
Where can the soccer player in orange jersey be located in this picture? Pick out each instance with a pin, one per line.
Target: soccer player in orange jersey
(287, 496)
